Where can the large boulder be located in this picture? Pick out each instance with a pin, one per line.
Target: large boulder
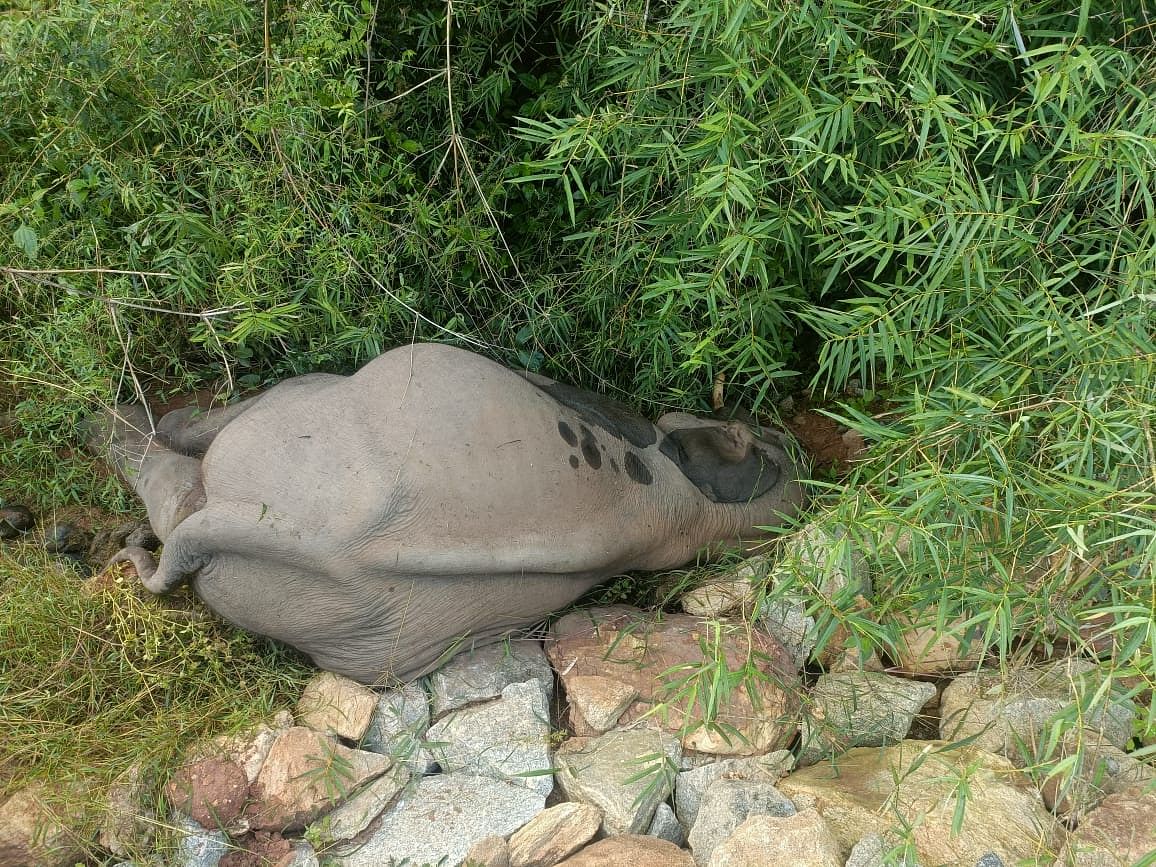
(305, 774)
(481, 673)
(923, 790)
(859, 709)
(726, 805)
(799, 840)
(692, 784)
(1012, 713)
(441, 819)
(507, 738)
(672, 663)
(554, 834)
(626, 774)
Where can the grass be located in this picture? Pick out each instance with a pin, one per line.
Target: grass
(97, 677)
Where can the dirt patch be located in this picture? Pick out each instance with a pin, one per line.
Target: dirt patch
(258, 849)
(832, 445)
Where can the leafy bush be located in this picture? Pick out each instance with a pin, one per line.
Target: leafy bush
(950, 202)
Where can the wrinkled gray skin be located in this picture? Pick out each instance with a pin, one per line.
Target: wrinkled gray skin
(374, 521)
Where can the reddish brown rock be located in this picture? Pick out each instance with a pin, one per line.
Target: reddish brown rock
(630, 850)
(212, 792)
(671, 663)
(1122, 830)
(38, 828)
(306, 774)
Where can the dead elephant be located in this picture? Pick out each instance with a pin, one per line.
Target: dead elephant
(374, 520)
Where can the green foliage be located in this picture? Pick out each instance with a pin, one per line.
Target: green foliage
(950, 202)
(96, 679)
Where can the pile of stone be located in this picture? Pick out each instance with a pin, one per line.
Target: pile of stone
(482, 763)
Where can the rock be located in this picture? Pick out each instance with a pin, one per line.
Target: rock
(507, 739)
(554, 834)
(212, 792)
(441, 819)
(39, 827)
(482, 673)
(692, 784)
(248, 749)
(663, 661)
(127, 825)
(800, 840)
(600, 701)
(626, 774)
(66, 539)
(489, 852)
(665, 826)
(725, 806)
(15, 521)
(859, 709)
(1122, 830)
(826, 560)
(1099, 769)
(197, 847)
(332, 704)
(785, 618)
(726, 592)
(1011, 714)
(355, 815)
(398, 727)
(925, 649)
(870, 851)
(916, 785)
(630, 850)
(305, 774)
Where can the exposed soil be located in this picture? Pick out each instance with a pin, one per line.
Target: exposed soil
(832, 446)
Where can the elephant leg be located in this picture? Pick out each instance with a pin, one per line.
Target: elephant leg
(191, 430)
(167, 482)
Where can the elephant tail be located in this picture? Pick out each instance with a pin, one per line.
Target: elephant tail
(177, 564)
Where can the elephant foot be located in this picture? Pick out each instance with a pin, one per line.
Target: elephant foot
(124, 427)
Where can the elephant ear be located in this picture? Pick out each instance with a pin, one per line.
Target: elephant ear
(723, 461)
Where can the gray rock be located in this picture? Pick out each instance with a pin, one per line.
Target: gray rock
(398, 728)
(665, 826)
(990, 860)
(859, 709)
(441, 819)
(1012, 713)
(507, 739)
(870, 851)
(692, 784)
(726, 805)
(354, 816)
(785, 617)
(625, 773)
(197, 847)
(481, 674)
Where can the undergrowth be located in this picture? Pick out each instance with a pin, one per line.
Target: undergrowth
(949, 204)
(98, 677)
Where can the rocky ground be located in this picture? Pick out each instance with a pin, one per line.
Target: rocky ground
(585, 747)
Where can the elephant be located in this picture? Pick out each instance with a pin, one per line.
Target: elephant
(377, 521)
